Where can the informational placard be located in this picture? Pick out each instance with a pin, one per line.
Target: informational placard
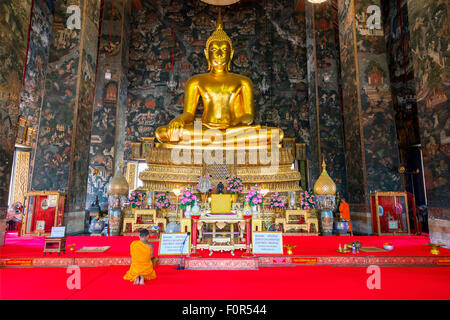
(40, 225)
(58, 232)
(268, 242)
(174, 244)
(52, 200)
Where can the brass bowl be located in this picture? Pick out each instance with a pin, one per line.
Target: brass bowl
(289, 248)
(434, 248)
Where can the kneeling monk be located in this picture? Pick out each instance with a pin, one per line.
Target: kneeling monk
(141, 260)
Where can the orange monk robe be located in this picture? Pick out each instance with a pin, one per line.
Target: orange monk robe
(344, 209)
(141, 263)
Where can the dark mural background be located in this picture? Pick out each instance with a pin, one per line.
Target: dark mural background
(326, 122)
(370, 133)
(37, 62)
(150, 104)
(401, 72)
(61, 159)
(108, 100)
(354, 155)
(14, 22)
(428, 24)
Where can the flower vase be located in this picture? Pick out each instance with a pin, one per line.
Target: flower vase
(327, 222)
(255, 212)
(187, 212)
(234, 197)
(292, 200)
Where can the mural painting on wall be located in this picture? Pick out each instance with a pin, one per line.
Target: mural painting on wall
(51, 161)
(378, 115)
(328, 104)
(107, 130)
(14, 22)
(86, 92)
(150, 104)
(428, 24)
(375, 119)
(401, 72)
(37, 61)
(352, 128)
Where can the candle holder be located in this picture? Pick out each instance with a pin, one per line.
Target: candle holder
(194, 253)
(248, 253)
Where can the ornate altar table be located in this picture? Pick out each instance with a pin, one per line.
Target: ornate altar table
(222, 243)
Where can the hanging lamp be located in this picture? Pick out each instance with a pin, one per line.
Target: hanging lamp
(108, 64)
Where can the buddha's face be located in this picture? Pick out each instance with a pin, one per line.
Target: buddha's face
(219, 55)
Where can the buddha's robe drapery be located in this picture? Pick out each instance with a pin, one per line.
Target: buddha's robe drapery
(344, 209)
(141, 263)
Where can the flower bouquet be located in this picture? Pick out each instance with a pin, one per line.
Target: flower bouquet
(276, 201)
(187, 197)
(136, 198)
(307, 200)
(254, 196)
(162, 200)
(234, 184)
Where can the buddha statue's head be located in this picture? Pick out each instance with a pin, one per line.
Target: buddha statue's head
(219, 49)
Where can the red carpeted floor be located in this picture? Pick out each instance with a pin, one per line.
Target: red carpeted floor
(274, 283)
(16, 246)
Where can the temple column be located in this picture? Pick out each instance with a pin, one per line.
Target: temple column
(428, 31)
(326, 122)
(14, 29)
(108, 126)
(62, 153)
(372, 155)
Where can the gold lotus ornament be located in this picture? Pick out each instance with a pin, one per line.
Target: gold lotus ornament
(289, 248)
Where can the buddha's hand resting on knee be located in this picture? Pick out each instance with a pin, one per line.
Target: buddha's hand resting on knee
(174, 128)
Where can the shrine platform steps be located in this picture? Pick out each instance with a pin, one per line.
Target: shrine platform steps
(310, 250)
(221, 264)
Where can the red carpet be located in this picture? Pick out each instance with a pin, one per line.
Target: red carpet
(275, 283)
(317, 246)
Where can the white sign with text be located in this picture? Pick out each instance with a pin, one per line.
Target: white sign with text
(174, 244)
(268, 242)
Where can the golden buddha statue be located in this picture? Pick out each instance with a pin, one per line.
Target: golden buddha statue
(228, 104)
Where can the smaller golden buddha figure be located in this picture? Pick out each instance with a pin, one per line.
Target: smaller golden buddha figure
(228, 104)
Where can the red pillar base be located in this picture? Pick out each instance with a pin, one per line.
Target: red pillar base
(194, 255)
(248, 255)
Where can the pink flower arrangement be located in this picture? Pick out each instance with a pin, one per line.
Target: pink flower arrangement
(135, 198)
(254, 196)
(307, 200)
(187, 197)
(276, 201)
(162, 200)
(234, 184)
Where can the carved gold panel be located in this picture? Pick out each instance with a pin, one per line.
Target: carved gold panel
(21, 176)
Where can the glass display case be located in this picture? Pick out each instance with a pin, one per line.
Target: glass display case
(390, 213)
(43, 210)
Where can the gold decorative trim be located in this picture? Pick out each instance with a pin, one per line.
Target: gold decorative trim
(131, 174)
(22, 166)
